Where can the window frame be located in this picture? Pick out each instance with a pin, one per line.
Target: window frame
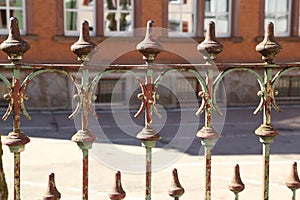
(217, 14)
(200, 16)
(289, 23)
(8, 8)
(76, 32)
(181, 33)
(118, 11)
(294, 19)
(99, 27)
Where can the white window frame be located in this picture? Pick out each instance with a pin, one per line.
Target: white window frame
(77, 10)
(216, 14)
(276, 15)
(8, 8)
(181, 12)
(118, 12)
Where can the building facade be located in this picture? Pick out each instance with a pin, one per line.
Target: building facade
(51, 27)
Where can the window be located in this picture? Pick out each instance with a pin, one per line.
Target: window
(111, 91)
(118, 16)
(279, 12)
(191, 17)
(219, 11)
(12, 8)
(182, 17)
(75, 11)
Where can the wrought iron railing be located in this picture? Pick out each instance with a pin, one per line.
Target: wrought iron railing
(15, 47)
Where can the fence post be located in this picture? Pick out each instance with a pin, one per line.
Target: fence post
(15, 47)
(268, 48)
(175, 190)
(84, 137)
(209, 48)
(148, 135)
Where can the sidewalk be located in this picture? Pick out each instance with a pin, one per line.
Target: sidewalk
(51, 150)
(65, 161)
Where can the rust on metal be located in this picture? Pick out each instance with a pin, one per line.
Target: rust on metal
(149, 47)
(236, 185)
(85, 174)
(210, 47)
(266, 131)
(84, 137)
(14, 46)
(269, 47)
(148, 134)
(51, 193)
(293, 181)
(175, 190)
(117, 192)
(208, 133)
(83, 47)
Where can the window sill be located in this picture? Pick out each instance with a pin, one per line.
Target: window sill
(29, 37)
(235, 39)
(280, 39)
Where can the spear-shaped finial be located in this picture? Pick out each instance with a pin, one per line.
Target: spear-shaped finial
(236, 185)
(83, 47)
(210, 47)
(175, 190)
(149, 47)
(14, 46)
(52, 193)
(269, 47)
(117, 192)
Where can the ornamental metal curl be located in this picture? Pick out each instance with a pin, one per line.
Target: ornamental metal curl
(218, 79)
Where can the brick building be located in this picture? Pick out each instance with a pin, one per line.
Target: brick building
(51, 27)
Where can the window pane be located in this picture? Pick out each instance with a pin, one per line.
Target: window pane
(16, 3)
(18, 14)
(222, 24)
(188, 6)
(125, 5)
(110, 22)
(71, 21)
(270, 6)
(3, 22)
(222, 6)
(282, 24)
(125, 22)
(87, 15)
(71, 4)
(2, 2)
(174, 22)
(210, 5)
(110, 4)
(282, 5)
(187, 23)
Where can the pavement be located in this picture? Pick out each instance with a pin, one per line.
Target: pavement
(51, 150)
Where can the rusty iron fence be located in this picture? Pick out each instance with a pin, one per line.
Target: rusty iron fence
(16, 140)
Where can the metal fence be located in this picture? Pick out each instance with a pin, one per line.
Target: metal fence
(15, 47)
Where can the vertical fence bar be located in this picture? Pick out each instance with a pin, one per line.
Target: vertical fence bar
(148, 136)
(268, 48)
(14, 46)
(293, 181)
(209, 48)
(84, 137)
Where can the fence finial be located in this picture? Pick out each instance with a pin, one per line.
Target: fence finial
(14, 46)
(175, 190)
(149, 47)
(51, 193)
(236, 185)
(293, 181)
(83, 47)
(269, 47)
(210, 47)
(117, 192)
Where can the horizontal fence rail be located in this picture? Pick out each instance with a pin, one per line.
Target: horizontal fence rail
(213, 74)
